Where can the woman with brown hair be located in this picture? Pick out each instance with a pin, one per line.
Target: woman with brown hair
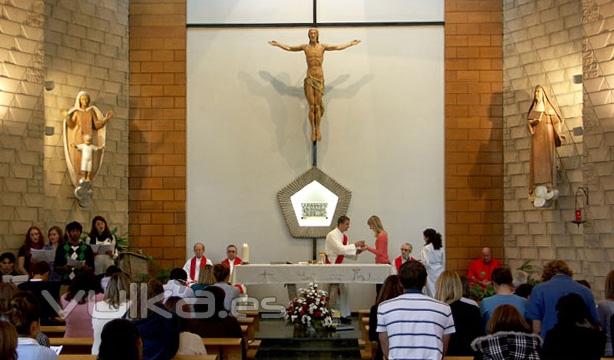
(605, 309)
(391, 288)
(449, 289)
(8, 341)
(509, 337)
(34, 240)
(55, 235)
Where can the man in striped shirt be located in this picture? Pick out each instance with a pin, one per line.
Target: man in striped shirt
(413, 325)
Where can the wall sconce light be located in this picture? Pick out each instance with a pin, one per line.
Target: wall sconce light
(581, 199)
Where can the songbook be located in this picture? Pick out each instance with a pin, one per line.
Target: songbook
(15, 279)
(102, 248)
(43, 255)
(75, 263)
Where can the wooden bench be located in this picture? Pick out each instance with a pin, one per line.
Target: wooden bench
(225, 348)
(73, 345)
(53, 331)
(251, 314)
(250, 322)
(177, 357)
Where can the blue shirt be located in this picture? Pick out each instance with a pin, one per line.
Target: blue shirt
(544, 297)
(489, 304)
(28, 348)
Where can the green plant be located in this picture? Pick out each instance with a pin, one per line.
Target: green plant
(120, 240)
(478, 292)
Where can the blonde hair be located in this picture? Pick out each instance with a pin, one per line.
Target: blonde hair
(449, 287)
(377, 224)
(113, 293)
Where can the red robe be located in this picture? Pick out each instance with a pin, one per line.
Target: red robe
(479, 271)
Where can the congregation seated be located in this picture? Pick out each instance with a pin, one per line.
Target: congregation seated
(120, 340)
(221, 273)
(34, 240)
(160, 334)
(114, 305)
(7, 291)
(605, 309)
(449, 289)
(75, 250)
(8, 341)
(77, 304)
(177, 285)
(509, 337)
(189, 343)
(24, 314)
(38, 285)
(504, 294)
(574, 336)
(220, 324)
(391, 288)
(7, 264)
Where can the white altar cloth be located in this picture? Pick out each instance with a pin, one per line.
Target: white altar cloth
(253, 274)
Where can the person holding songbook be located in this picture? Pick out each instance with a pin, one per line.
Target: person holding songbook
(34, 240)
(55, 236)
(103, 244)
(194, 265)
(74, 256)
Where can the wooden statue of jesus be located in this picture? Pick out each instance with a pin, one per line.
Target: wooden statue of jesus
(314, 82)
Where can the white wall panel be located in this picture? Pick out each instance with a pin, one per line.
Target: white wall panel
(249, 11)
(379, 10)
(383, 135)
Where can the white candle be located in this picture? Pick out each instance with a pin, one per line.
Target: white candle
(245, 255)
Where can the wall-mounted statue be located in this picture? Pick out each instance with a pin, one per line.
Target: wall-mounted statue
(314, 82)
(545, 125)
(84, 140)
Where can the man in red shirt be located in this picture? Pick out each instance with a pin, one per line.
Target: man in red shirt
(480, 270)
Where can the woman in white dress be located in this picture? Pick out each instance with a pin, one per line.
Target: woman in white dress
(432, 257)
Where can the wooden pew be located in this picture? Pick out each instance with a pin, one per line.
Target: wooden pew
(73, 345)
(252, 348)
(250, 322)
(252, 314)
(225, 348)
(177, 357)
(53, 331)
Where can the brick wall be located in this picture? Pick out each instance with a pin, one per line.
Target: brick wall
(473, 130)
(86, 48)
(542, 46)
(158, 129)
(21, 119)
(597, 250)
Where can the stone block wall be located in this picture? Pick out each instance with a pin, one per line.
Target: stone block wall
(21, 119)
(76, 45)
(473, 130)
(158, 129)
(86, 48)
(542, 45)
(597, 252)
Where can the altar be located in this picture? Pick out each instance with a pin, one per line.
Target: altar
(258, 274)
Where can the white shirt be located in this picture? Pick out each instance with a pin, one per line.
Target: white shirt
(415, 324)
(102, 314)
(28, 348)
(190, 344)
(176, 288)
(334, 246)
(186, 267)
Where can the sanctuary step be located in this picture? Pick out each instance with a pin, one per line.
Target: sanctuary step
(283, 341)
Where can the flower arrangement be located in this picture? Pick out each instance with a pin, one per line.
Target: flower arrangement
(310, 308)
